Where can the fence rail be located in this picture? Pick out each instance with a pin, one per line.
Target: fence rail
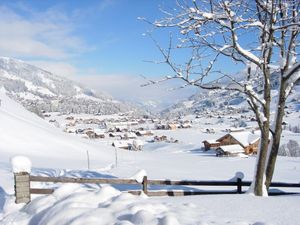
(23, 188)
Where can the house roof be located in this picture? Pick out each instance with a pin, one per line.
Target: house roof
(245, 138)
(122, 144)
(138, 142)
(232, 148)
(130, 135)
(212, 141)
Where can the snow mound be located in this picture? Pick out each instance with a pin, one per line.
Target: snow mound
(24, 133)
(75, 204)
(21, 164)
(139, 176)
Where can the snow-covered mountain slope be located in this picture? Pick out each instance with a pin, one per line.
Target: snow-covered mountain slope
(39, 90)
(23, 132)
(207, 101)
(225, 102)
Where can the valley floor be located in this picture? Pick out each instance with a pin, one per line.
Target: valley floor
(54, 153)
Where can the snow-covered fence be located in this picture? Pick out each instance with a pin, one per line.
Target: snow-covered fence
(238, 183)
(22, 167)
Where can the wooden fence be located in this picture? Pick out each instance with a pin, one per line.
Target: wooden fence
(23, 188)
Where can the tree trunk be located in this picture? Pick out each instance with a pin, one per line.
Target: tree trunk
(261, 163)
(259, 177)
(276, 134)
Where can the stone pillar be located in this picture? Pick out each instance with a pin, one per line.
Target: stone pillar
(22, 187)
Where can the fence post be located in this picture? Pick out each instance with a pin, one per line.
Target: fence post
(239, 185)
(145, 185)
(22, 187)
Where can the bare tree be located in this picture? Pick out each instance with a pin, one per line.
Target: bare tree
(259, 34)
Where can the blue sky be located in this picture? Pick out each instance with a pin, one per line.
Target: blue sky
(99, 43)
(92, 36)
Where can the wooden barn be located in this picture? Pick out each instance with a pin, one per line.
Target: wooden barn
(230, 150)
(246, 139)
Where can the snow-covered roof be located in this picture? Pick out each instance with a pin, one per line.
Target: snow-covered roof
(143, 132)
(122, 144)
(130, 135)
(232, 148)
(99, 131)
(212, 141)
(245, 138)
(138, 142)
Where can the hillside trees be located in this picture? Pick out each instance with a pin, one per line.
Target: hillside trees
(260, 35)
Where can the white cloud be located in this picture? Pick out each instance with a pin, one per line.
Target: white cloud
(48, 34)
(58, 68)
(128, 87)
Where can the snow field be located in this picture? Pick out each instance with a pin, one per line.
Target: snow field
(74, 204)
(54, 153)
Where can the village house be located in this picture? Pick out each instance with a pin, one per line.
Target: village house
(121, 128)
(115, 135)
(99, 133)
(135, 145)
(247, 140)
(173, 126)
(186, 125)
(160, 138)
(161, 126)
(129, 135)
(122, 144)
(70, 130)
(229, 150)
(144, 133)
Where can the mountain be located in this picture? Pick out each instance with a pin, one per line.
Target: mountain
(206, 102)
(39, 90)
(224, 102)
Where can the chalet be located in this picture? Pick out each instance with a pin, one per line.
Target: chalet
(79, 131)
(129, 135)
(210, 130)
(121, 128)
(144, 133)
(161, 126)
(99, 133)
(229, 150)
(161, 138)
(211, 144)
(137, 145)
(245, 139)
(172, 126)
(142, 121)
(113, 134)
(91, 134)
(122, 144)
(70, 130)
(186, 125)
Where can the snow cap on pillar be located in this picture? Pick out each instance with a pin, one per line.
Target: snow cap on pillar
(20, 164)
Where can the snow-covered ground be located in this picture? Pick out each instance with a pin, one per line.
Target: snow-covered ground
(54, 153)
